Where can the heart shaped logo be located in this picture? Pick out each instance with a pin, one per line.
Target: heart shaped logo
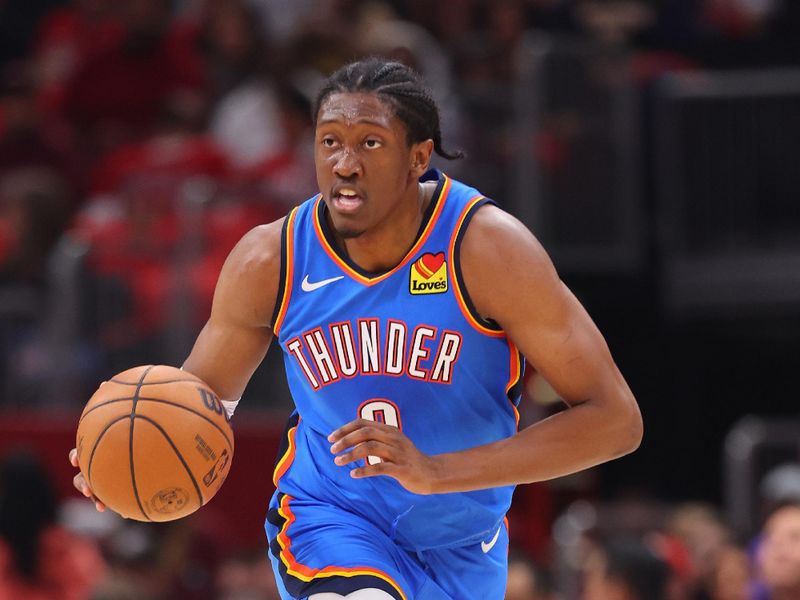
(428, 264)
(428, 275)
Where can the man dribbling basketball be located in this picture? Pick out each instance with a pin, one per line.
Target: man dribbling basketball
(404, 301)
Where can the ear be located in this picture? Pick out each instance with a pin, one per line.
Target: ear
(421, 157)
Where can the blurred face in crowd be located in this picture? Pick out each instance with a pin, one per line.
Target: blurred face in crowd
(624, 569)
(522, 583)
(366, 169)
(779, 556)
(597, 585)
(232, 30)
(704, 535)
(730, 578)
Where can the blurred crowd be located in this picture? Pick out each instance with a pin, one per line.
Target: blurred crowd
(156, 132)
(634, 550)
(139, 139)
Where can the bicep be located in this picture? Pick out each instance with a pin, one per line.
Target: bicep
(559, 338)
(513, 281)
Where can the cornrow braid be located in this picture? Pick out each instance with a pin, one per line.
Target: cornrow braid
(401, 87)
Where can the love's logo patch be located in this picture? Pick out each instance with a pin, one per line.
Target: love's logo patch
(428, 274)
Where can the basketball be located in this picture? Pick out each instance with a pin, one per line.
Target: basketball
(154, 443)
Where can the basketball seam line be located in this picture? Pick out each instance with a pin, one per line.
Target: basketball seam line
(118, 382)
(97, 443)
(177, 453)
(130, 442)
(162, 401)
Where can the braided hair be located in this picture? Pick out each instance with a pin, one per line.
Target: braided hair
(401, 87)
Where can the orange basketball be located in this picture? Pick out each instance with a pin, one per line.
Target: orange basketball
(154, 443)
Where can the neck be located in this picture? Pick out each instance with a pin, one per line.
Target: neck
(384, 247)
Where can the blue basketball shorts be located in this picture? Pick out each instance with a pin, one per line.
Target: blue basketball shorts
(316, 547)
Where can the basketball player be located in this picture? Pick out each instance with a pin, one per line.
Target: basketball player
(404, 302)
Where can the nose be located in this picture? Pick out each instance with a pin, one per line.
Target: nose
(347, 164)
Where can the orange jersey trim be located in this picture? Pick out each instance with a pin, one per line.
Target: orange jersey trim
(508, 531)
(515, 372)
(457, 284)
(369, 281)
(288, 457)
(287, 288)
(305, 573)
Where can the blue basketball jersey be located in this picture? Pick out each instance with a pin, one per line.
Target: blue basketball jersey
(404, 347)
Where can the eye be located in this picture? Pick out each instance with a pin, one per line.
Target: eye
(328, 142)
(372, 143)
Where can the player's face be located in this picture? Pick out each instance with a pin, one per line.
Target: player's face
(366, 170)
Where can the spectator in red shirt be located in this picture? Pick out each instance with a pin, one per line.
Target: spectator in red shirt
(119, 94)
(66, 38)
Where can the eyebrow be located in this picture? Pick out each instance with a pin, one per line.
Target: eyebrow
(362, 121)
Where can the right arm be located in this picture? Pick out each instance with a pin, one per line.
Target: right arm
(237, 335)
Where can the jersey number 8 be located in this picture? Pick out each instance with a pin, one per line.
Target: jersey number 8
(382, 411)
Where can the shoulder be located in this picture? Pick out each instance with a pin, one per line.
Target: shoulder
(259, 249)
(503, 263)
(495, 238)
(250, 278)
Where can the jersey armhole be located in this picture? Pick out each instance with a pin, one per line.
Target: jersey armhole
(286, 273)
(483, 325)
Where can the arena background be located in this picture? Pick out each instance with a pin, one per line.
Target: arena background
(651, 146)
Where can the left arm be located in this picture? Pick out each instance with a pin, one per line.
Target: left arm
(511, 279)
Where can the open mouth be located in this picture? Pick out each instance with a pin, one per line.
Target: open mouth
(346, 199)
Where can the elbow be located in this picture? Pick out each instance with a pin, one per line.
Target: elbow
(632, 428)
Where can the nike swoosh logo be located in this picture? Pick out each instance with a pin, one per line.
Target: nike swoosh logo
(310, 287)
(486, 547)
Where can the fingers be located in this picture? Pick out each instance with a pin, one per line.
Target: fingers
(359, 431)
(369, 448)
(381, 468)
(80, 484)
(73, 457)
(79, 481)
(353, 426)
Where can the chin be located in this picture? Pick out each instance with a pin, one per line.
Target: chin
(346, 230)
(349, 234)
